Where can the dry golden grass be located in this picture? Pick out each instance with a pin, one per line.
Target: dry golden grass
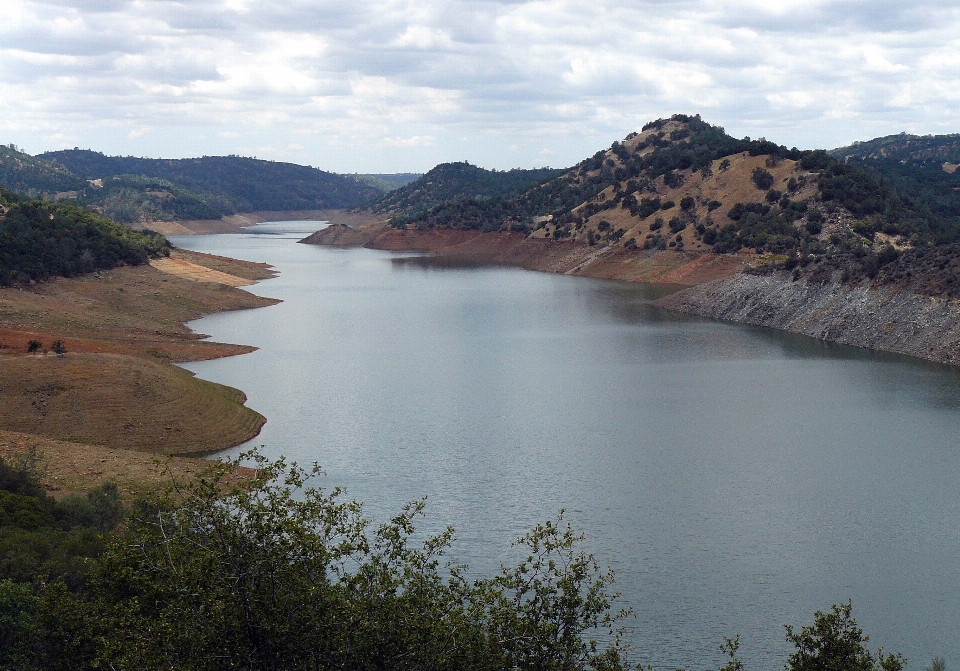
(121, 401)
(70, 468)
(115, 388)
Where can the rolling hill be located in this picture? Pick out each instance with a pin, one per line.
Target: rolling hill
(139, 190)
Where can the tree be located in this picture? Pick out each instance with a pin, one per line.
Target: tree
(34, 346)
(761, 178)
(271, 573)
(834, 642)
(59, 348)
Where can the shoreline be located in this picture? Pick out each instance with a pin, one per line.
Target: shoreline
(123, 331)
(713, 286)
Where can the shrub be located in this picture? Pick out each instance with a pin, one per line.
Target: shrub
(687, 203)
(761, 178)
(667, 204)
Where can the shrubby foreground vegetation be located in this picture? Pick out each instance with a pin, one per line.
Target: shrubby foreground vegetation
(272, 573)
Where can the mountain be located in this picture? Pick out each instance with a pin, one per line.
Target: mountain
(450, 183)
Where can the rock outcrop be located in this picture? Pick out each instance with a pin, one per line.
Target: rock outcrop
(882, 319)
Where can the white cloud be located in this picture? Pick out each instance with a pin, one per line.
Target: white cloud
(440, 80)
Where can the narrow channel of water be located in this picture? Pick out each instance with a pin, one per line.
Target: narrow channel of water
(735, 478)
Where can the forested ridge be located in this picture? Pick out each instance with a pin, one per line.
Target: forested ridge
(453, 185)
(129, 189)
(40, 240)
(272, 573)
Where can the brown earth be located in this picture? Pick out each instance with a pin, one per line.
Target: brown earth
(68, 468)
(115, 388)
(612, 262)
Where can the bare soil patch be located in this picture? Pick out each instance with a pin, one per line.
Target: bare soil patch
(115, 388)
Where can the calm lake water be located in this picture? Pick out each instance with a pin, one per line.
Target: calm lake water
(735, 478)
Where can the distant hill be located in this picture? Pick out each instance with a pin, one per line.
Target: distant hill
(388, 182)
(35, 177)
(903, 147)
(40, 240)
(228, 184)
(458, 182)
(922, 169)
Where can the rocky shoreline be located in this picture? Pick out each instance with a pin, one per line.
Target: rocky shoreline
(880, 319)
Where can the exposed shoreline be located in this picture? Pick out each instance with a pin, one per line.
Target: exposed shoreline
(714, 286)
(116, 388)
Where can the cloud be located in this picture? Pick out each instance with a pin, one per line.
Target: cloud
(439, 80)
(399, 142)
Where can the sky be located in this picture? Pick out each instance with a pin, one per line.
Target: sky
(398, 86)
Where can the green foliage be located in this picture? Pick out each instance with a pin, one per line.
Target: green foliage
(762, 179)
(40, 240)
(18, 633)
(388, 182)
(226, 184)
(834, 642)
(276, 574)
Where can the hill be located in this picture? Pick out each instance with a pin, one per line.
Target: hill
(922, 170)
(388, 182)
(227, 184)
(40, 240)
(682, 184)
(454, 184)
(35, 177)
(903, 147)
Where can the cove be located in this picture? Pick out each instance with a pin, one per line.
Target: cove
(735, 478)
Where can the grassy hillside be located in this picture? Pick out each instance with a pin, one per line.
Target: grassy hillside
(456, 185)
(40, 240)
(682, 184)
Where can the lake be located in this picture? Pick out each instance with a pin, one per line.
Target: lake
(735, 478)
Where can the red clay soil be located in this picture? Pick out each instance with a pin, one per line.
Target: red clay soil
(604, 262)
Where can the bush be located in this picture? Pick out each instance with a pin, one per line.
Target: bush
(275, 574)
(687, 203)
(761, 178)
(834, 642)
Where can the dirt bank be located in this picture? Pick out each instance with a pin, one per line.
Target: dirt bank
(517, 249)
(902, 322)
(115, 386)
